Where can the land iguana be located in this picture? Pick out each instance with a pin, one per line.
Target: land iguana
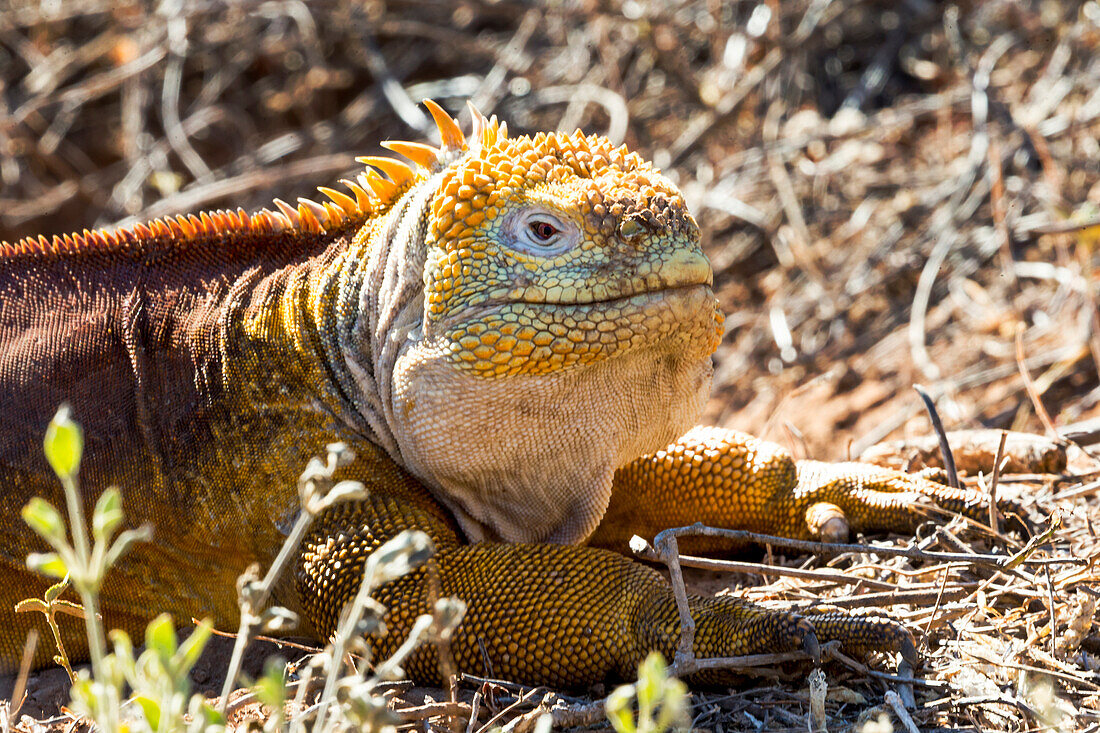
(513, 334)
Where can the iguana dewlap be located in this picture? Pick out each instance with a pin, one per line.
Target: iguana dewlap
(513, 334)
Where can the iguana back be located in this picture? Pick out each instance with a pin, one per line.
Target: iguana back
(139, 332)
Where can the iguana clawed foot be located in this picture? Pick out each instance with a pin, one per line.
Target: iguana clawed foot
(552, 614)
(861, 635)
(832, 500)
(730, 627)
(724, 478)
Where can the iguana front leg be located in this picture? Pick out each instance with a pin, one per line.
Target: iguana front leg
(561, 615)
(729, 479)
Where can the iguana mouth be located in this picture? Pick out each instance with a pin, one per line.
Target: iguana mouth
(638, 300)
(684, 269)
(643, 292)
(586, 297)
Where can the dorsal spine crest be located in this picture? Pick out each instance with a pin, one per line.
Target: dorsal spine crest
(371, 194)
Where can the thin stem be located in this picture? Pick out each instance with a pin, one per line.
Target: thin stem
(243, 632)
(292, 541)
(421, 625)
(76, 517)
(85, 585)
(249, 619)
(945, 446)
(339, 644)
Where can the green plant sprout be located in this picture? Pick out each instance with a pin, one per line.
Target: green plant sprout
(84, 563)
(663, 701)
(49, 606)
(158, 678)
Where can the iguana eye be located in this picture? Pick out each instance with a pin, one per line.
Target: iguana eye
(543, 230)
(539, 232)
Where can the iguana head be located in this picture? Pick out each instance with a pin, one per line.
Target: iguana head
(554, 252)
(566, 326)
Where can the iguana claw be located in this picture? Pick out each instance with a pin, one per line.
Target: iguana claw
(811, 646)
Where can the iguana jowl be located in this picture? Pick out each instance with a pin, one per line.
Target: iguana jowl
(513, 334)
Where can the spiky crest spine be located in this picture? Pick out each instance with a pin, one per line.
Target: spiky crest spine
(371, 194)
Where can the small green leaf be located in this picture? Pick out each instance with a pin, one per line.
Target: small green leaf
(55, 590)
(278, 620)
(64, 444)
(271, 688)
(674, 710)
(29, 605)
(314, 471)
(365, 711)
(346, 491)
(125, 541)
(68, 608)
(339, 454)
(82, 690)
(651, 679)
(211, 717)
(47, 563)
(447, 615)
(160, 636)
(370, 621)
(191, 647)
(107, 514)
(124, 648)
(150, 709)
(618, 708)
(46, 521)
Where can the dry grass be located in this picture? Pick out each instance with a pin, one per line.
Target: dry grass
(890, 193)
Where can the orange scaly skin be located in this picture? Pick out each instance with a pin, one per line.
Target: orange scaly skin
(513, 335)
